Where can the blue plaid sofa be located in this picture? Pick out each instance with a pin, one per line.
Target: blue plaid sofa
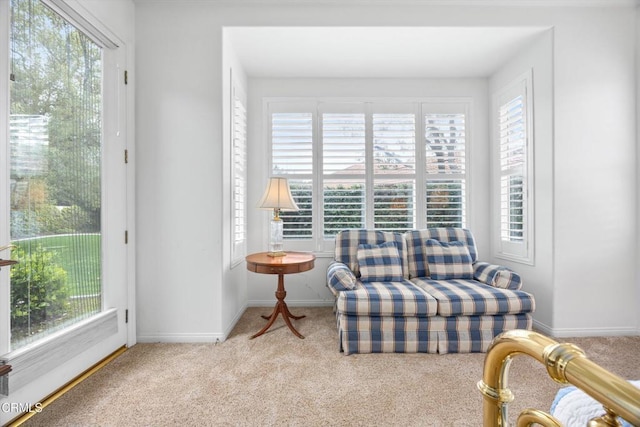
(421, 291)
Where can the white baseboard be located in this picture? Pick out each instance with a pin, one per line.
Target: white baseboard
(234, 322)
(181, 338)
(583, 332)
(215, 337)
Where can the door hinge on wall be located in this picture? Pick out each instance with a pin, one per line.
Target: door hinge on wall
(126, 316)
(126, 156)
(126, 77)
(126, 236)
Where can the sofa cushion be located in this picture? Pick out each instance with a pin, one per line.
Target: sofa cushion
(379, 263)
(347, 241)
(448, 260)
(472, 298)
(399, 298)
(496, 275)
(416, 259)
(340, 277)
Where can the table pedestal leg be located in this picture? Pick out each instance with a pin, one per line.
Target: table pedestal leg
(281, 307)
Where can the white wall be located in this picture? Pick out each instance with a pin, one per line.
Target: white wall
(179, 164)
(595, 220)
(180, 151)
(538, 278)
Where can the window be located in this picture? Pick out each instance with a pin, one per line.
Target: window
(239, 174)
(394, 169)
(343, 167)
(445, 168)
(359, 168)
(55, 140)
(513, 171)
(292, 156)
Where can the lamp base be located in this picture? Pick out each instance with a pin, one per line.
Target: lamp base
(276, 254)
(276, 242)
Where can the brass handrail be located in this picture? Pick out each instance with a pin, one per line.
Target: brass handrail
(566, 364)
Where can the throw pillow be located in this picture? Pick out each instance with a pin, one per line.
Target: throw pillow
(448, 260)
(379, 263)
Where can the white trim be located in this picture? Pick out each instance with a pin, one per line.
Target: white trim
(33, 360)
(74, 12)
(583, 332)
(479, 3)
(234, 322)
(5, 167)
(181, 338)
(129, 145)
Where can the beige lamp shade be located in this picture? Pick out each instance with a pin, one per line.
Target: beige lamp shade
(277, 196)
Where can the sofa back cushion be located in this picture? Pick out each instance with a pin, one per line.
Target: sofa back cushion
(347, 242)
(448, 260)
(416, 255)
(379, 263)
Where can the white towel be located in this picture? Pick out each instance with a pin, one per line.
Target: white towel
(573, 407)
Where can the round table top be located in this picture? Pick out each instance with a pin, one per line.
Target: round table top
(290, 258)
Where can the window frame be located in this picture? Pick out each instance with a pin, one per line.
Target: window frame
(98, 336)
(522, 252)
(418, 106)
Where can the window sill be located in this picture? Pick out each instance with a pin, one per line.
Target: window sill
(36, 359)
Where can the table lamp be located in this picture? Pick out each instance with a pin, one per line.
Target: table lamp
(277, 196)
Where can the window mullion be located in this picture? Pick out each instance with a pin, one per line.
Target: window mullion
(318, 182)
(369, 179)
(421, 174)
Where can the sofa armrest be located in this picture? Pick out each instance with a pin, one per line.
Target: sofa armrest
(497, 276)
(340, 278)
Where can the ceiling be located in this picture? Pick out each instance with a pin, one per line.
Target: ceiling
(377, 52)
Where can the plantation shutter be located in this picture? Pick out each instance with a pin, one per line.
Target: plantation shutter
(292, 157)
(512, 177)
(445, 155)
(513, 129)
(512, 167)
(344, 169)
(394, 169)
(239, 177)
(362, 165)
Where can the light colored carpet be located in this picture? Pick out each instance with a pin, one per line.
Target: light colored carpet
(278, 379)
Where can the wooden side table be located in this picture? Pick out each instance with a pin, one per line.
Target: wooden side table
(292, 262)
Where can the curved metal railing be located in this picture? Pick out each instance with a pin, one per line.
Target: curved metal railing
(566, 364)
